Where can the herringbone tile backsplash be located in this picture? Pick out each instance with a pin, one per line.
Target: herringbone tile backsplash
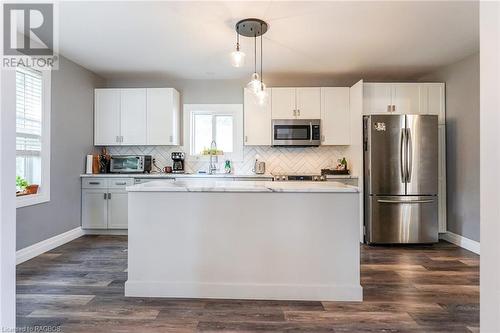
(278, 159)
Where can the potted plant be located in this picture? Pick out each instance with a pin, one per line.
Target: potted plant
(24, 188)
(21, 184)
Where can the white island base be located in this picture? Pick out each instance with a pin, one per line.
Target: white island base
(256, 244)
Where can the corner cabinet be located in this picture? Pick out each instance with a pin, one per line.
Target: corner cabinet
(335, 116)
(256, 119)
(105, 203)
(143, 116)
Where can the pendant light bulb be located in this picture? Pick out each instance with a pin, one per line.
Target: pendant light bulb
(254, 84)
(262, 95)
(237, 58)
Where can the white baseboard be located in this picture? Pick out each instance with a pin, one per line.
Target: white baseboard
(46, 245)
(111, 232)
(353, 293)
(461, 241)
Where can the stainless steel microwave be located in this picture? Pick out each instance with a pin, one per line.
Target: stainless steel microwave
(130, 163)
(296, 132)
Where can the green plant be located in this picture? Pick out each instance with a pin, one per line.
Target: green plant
(21, 183)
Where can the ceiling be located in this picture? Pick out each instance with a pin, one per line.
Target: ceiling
(192, 40)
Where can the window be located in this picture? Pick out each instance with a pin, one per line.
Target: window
(221, 123)
(33, 132)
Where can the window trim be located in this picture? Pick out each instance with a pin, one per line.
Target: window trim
(43, 194)
(236, 110)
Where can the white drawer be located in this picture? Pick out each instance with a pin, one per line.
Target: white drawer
(120, 182)
(94, 183)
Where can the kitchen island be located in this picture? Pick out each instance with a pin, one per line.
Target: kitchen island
(244, 240)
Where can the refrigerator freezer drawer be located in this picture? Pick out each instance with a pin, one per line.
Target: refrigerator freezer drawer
(402, 219)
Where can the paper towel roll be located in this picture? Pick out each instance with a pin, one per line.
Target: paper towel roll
(88, 168)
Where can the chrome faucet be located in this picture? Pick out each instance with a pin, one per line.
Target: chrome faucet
(213, 166)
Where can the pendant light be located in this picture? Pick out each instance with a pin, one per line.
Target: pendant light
(237, 57)
(254, 84)
(253, 27)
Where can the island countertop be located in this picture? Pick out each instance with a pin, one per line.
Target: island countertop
(242, 186)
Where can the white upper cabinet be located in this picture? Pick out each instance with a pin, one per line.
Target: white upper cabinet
(308, 103)
(133, 116)
(433, 100)
(145, 116)
(283, 103)
(107, 117)
(257, 119)
(296, 103)
(335, 116)
(406, 98)
(377, 97)
(163, 116)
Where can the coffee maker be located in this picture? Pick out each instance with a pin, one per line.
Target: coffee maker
(178, 162)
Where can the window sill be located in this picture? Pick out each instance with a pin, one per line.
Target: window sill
(32, 199)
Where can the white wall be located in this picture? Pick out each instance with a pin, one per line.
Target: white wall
(462, 142)
(71, 139)
(7, 201)
(490, 162)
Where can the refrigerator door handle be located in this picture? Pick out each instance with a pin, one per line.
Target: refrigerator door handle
(402, 155)
(405, 201)
(409, 155)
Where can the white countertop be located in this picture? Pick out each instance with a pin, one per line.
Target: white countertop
(194, 175)
(241, 186)
(174, 175)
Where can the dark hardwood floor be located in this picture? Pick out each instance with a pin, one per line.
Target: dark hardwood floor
(78, 287)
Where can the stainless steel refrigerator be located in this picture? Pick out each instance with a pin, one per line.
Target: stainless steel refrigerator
(400, 178)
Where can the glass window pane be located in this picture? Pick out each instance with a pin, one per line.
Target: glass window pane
(29, 124)
(224, 133)
(202, 132)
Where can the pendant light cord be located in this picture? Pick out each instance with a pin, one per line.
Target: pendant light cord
(237, 38)
(261, 77)
(255, 54)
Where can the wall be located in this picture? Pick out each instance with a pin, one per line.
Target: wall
(462, 144)
(490, 160)
(7, 201)
(71, 139)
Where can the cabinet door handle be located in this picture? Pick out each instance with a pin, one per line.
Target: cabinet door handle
(94, 183)
(246, 138)
(121, 183)
(298, 111)
(109, 195)
(117, 139)
(294, 113)
(105, 196)
(171, 138)
(394, 108)
(388, 108)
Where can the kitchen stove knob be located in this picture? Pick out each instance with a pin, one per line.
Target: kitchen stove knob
(315, 178)
(283, 178)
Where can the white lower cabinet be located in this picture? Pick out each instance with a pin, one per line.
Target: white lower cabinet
(94, 209)
(117, 209)
(105, 203)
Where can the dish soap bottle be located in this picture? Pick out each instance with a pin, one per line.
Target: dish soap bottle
(227, 166)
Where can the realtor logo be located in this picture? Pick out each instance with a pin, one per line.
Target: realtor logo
(28, 35)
